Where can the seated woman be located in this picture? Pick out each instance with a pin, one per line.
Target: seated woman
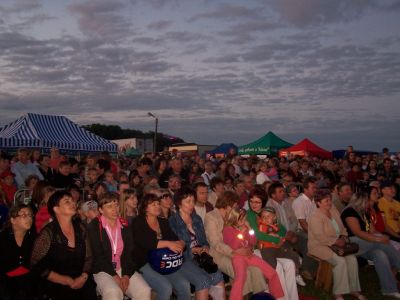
(268, 224)
(115, 271)
(324, 230)
(372, 247)
(237, 234)
(285, 267)
(151, 232)
(221, 252)
(62, 255)
(128, 202)
(188, 226)
(16, 243)
(376, 218)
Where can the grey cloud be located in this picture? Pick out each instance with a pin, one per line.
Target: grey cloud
(160, 25)
(195, 48)
(28, 22)
(101, 19)
(228, 12)
(21, 6)
(148, 41)
(314, 12)
(157, 3)
(184, 36)
(243, 33)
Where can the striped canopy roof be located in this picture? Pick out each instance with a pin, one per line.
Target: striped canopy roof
(44, 131)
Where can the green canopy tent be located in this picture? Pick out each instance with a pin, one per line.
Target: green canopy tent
(269, 144)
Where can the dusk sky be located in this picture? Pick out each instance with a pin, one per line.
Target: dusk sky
(211, 71)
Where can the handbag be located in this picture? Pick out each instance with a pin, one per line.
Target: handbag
(206, 262)
(347, 249)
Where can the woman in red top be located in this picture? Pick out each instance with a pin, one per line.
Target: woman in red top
(43, 217)
(376, 218)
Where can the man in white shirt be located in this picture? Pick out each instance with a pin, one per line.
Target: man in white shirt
(303, 207)
(23, 168)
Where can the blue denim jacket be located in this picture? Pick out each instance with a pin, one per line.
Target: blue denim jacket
(179, 227)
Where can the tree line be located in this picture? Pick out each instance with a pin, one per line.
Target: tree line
(114, 132)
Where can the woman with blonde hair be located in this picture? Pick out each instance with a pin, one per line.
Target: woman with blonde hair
(128, 205)
(372, 247)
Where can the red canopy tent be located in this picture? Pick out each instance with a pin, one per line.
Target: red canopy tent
(306, 146)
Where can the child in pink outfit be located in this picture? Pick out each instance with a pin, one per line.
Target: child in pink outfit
(237, 235)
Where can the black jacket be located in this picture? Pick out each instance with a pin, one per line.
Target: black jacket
(146, 238)
(102, 252)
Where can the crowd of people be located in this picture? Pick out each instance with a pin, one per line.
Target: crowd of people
(83, 227)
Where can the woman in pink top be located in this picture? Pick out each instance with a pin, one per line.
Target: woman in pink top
(237, 235)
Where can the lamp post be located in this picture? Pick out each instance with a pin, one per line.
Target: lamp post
(155, 132)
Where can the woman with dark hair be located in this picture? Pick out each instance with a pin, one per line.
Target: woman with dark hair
(115, 271)
(160, 165)
(166, 203)
(194, 173)
(16, 243)
(43, 217)
(376, 218)
(62, 255)
(324, 230)
(257, 201)
(372, 246)
(188, 226)
(221, 169)
(99, 189)
(152, 233)
(230, 171)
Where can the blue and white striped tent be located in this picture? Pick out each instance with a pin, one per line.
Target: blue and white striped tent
(44, 131)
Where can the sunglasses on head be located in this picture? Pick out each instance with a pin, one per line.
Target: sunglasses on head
(165, 196)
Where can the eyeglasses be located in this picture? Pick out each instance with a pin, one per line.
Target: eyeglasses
(24, 216)
(255, 202)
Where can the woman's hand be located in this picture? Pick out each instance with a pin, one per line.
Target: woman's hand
(68, 281)
(118, 280)
(196, 250)
(340, 242)
(291, 237)
(124, 283)
(384, 239)
(176, 246)
(199, 250)
(79, 282)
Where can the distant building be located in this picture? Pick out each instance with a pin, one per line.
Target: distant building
(191, 148)
(141, 145)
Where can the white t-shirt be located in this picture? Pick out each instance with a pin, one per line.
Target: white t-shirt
(303, 207)
(261, 178)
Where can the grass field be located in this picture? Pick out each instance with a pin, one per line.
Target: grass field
(369, 286)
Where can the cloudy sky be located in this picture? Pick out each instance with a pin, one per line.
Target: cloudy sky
(211, 71)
